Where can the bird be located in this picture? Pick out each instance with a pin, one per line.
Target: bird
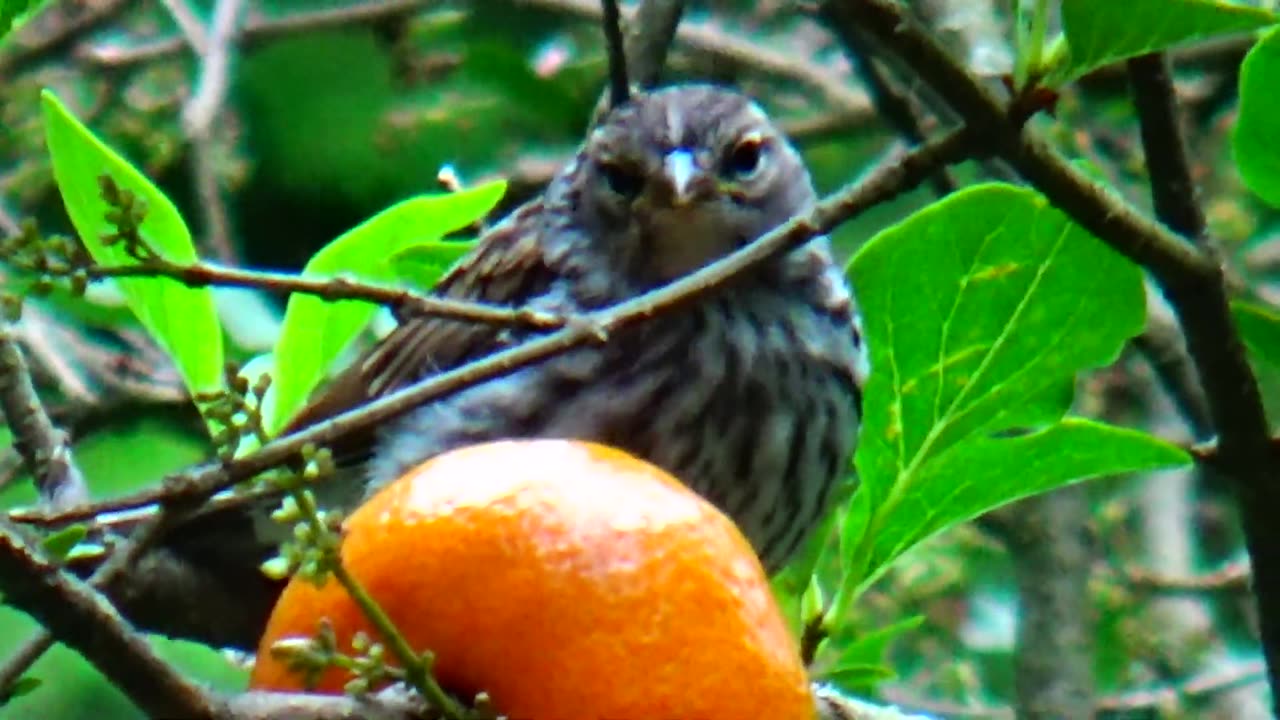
(750, 394)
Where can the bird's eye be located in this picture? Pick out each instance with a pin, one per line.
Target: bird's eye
(744, 160)
(623, 181)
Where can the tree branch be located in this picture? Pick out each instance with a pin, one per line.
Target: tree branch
(84, 619)
(403, 301)
(889, 180)
(45, 449)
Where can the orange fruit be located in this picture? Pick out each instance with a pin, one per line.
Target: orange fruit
(565, 579)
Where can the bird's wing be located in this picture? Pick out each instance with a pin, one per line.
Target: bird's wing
(507, 268)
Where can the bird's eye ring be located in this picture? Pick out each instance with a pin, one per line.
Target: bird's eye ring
(622, 180)
(745, 158)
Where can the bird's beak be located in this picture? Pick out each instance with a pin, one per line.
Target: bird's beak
(680, 167)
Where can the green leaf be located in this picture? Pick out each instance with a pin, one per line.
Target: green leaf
(1260, 329)
(14, 12)
(978, 312)
(60, 544)
(984, 473)
(421, 265)
(1100, 32)
(183, 320)
(1254, 141)
(855, 662)
(24, 685)
(315, 332)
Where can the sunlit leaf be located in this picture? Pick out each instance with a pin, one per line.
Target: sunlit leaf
(978, 312)
(60, 544)
(1100, 32)
(181, 319)
(315, 332)
(1260, 328)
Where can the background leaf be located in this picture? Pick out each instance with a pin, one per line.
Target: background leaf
(182, 319)
(1260, 329)
(1255, 142)
(13, 12)
(978, 312)
(1102, 31)
(986, 472)
(315, 331)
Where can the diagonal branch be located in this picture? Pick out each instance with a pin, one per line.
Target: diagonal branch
(84, 619)
(889, 180)
(45, 449)
(407, 302)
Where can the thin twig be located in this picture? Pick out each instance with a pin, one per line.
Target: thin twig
(188, 23)
(45, 449)
(1162, 345)
(22, 659)
(701, 39)
(259, 29)
(406, 302)
(649, 37)
(35, 41)
(122, 559)
(611, 24)
(1173, 191)
(896, 106)
(1198, 687)
(198, 121)
(889, 180)
(1230, 578)
(203, 107)
(390, 704)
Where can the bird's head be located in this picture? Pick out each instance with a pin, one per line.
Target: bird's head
(681, 176)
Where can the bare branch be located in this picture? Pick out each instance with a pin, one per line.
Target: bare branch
(403, 301)
(651, 32)
(84, 619)
(390, 704)
(887, 181)
(198, 117)
(1199, 687)
(188, 23)
(45, 449)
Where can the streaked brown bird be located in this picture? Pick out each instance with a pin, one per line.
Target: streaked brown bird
(749, 394)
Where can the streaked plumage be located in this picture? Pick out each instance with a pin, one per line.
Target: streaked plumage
(749, 395)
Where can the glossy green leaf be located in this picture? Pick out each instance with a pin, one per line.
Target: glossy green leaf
(1255, 142)
(60, 544)
(987, 472)
(182, 319)
(1260, 328)
(1100, 32)
(856, 662)
(978, 312)
(315, 332)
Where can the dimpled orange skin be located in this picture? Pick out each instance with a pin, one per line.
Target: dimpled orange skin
(566, 579)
